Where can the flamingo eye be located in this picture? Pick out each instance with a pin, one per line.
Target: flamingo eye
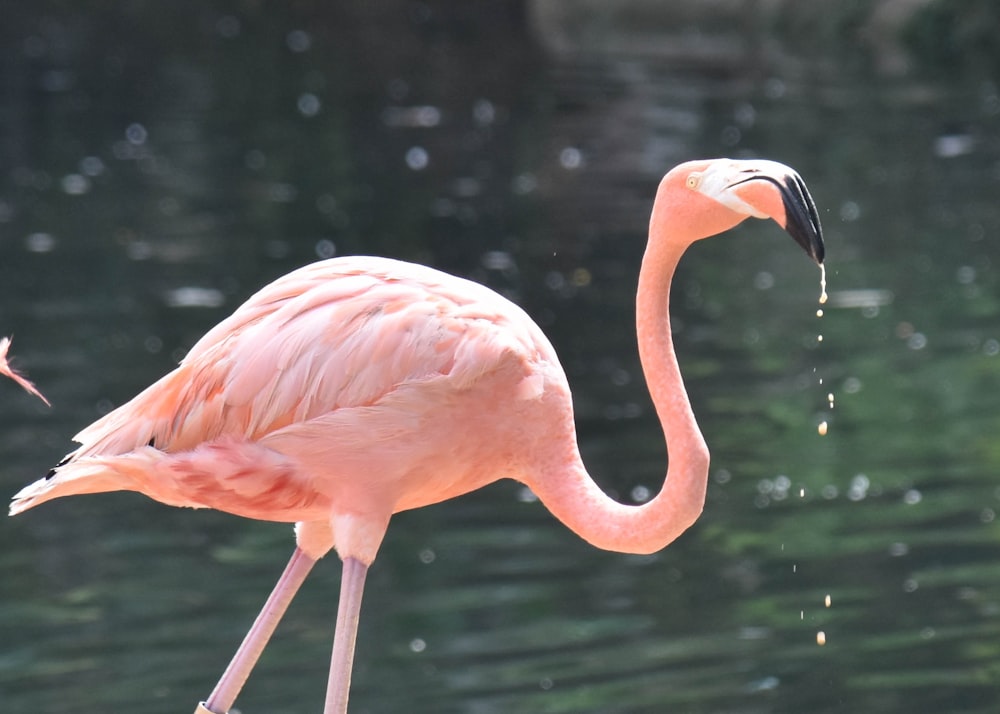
(693, 180)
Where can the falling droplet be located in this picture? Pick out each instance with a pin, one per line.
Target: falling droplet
(822, 428)
(821, 638)
(823, 297)
(819, 312)
(829, 398)
(827, 600)
(819, 338)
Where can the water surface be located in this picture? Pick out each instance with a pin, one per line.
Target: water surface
(159, 164)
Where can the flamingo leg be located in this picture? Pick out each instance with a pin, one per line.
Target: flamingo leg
(352, 585)
(222, 697)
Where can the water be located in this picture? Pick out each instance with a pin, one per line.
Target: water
(161, 163)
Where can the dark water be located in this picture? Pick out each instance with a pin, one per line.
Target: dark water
(158, 163)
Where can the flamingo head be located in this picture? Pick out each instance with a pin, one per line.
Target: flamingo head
(728, 191)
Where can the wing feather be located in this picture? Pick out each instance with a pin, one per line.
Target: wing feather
(340, 333)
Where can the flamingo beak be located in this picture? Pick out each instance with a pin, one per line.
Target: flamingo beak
(776, 191)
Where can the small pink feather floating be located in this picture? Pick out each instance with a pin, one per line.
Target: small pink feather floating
(8, 371)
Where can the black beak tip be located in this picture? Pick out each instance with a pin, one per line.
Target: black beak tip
(816, 250)
(802, 220)
(811, 242)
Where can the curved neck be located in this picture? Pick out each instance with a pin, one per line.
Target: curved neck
(568, 491)
(683, 494)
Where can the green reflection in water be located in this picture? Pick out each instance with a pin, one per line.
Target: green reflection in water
(486, 604)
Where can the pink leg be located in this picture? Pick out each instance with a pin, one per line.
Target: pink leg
(352, 585)
(222, 697)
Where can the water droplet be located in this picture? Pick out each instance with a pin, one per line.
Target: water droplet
(483, 112)
(571, 158)
(526, 495)
(897, 549)
(91, 166)
(498, 260)
(136, 134)
(524, 184)
(640, 494)
(822, 428)
(298, 41)
(912, 497)
(763, 280)
(326, 248)
(75, 184)
(40, 242)
(858, 490)
(850, 211)
(417, 158)
(194, 296)
(948, 146)
(966, 275)
(917, 341)
(309, 105)
(764, 685)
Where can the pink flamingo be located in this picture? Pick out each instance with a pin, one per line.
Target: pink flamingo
(355, 388)
(7, 371)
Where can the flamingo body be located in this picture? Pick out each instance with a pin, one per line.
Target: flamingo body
(358, 387)
(355, 385)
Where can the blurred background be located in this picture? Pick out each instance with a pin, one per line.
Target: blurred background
(159, 162)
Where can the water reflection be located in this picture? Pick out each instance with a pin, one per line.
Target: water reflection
(162, 163)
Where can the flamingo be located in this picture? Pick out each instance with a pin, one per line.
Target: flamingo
(7, 371)
(357, 387)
